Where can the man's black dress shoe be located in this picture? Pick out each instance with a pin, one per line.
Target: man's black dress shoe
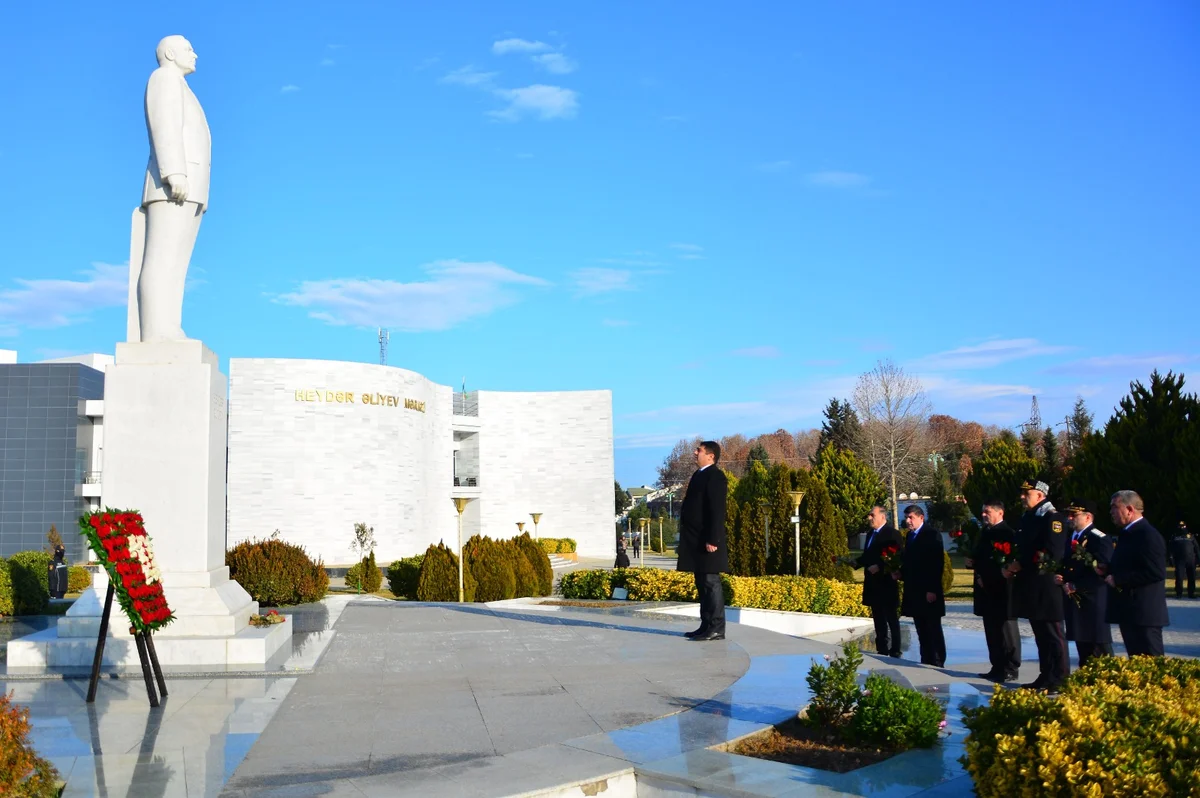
(1036, 684)
(991, 676)
(1011, 676)
(710, 636)
(694, 632)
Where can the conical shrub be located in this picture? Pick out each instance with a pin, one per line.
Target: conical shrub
(540, 561)
(438, 580)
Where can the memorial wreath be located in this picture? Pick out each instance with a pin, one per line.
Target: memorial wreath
(122, 546)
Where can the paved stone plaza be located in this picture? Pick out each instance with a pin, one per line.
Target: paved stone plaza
(438, 700)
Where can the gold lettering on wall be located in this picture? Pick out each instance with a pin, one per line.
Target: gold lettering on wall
(324, 396)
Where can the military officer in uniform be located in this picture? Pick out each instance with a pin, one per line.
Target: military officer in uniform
(1185, 552)
(1041, 536)
(1086, 592)
(993, 595)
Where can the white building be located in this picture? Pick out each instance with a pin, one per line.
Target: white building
(316, 446)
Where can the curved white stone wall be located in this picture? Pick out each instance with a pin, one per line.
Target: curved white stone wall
(310, 456)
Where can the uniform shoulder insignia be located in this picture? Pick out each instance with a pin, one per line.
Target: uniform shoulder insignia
(1056, 527)
(1098, 533)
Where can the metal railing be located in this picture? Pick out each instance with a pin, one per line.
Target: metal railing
(91, 478)
(466, 404)
(462, 481)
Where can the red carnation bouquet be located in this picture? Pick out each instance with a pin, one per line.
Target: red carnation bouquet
(1046, 564)
(1003, 553)
(891, 558)
(122, 546)
(1079, 552)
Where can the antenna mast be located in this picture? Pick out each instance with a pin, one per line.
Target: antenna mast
(384, 335)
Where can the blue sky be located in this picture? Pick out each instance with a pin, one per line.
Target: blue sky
(722, 214)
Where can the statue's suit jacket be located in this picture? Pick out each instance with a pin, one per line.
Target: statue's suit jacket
(179, 138)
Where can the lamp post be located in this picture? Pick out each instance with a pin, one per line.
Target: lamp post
(536, 518)
(661, 548)
(642, 524)
(797, 496)
(520, 527)
(460, 504)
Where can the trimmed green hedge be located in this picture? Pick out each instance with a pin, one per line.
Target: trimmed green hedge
(1120, 727)
(277, 573)
(557, 545)
(438, 579)
(79, 578)
(6, 591)
(403, 575)
(30, 575)
(495, 570)
(788, 593)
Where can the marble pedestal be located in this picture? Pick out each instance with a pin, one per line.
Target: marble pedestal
(165, 456)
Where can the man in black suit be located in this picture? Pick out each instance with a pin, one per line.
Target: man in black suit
(880, 591)
(1087, 594)
(924, 600)
(702, 545)
(993, 595)
(1138, 572)
(1038, 598)
(1184, 552)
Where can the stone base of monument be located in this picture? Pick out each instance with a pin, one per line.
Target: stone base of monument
(220, 641)
(165, 423)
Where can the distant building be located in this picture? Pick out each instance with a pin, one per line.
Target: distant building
(639, 494)
(51, 449)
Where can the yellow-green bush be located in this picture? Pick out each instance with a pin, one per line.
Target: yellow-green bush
(1119, 728)
(276, 573)
(79, 579)
(438, 578)
(789, 593)
(6, 592)
(365, 576)
(557, 545)
(538, 561)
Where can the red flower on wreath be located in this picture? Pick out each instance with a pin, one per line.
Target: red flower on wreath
(122, 546)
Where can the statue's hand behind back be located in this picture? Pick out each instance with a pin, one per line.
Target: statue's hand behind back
(179, 187)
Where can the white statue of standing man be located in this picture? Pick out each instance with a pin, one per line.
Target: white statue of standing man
(174, 199)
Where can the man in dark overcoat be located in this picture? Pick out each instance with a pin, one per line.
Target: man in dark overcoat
(703, 549)
(1138, 574)
(924, 599)
(993, 595)
(1042, 534)
(1086, 593)
(1185, 552)
(880, 591)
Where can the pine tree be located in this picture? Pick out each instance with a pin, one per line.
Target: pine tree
(997, 473)
(1079, 426)
(853, 486)
(758, 454)
(1150, 446)
(1051, 461)
(840, 428)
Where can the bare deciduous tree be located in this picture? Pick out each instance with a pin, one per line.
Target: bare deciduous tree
(894, 413)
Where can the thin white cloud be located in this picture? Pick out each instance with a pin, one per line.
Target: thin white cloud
(289, 89)
(985, 355)
(469, 76)
(455, 292)
(688, 251)
(506, 46)
(772, 167)
(539, 100)
(616, 323)
(649, 440)
(1135, 365)
(956, 389)
(58, 303)
(839, 179)
(327, 62)
(757, 351)
(629, 262)
(592, 280)
(555, 63)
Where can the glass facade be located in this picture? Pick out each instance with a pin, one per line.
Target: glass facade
(39, 458)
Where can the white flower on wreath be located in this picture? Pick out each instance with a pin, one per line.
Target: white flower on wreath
(139, 547)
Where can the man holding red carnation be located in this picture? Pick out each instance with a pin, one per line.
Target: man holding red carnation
(993, 594)
(880, 591)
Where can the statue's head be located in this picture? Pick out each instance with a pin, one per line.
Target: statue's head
(177, 50)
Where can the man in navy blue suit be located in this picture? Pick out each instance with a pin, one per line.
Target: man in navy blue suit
(1137, 574)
